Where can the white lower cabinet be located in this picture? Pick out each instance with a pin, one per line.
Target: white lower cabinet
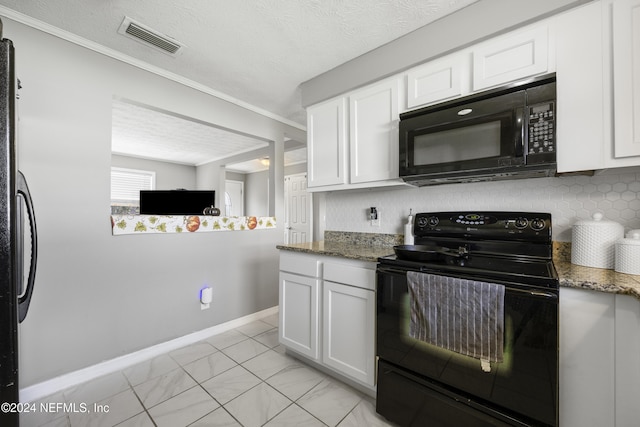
(299, 313)
(348, 330)
(327, 313)
(299, 299)
(599, 359)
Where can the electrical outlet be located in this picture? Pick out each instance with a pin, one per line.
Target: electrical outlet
(374, 217)
(206, 296)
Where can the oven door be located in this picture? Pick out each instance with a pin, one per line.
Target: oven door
(522, 390)
(467, 137)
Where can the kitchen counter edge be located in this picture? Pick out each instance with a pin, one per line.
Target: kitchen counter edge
(570, 275)
(369, 253)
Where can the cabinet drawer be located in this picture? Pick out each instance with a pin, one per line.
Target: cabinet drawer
(293, 262)
(350, 275)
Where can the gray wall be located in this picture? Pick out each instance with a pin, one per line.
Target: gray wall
(256, 193)
(169, 176)
(98, 296)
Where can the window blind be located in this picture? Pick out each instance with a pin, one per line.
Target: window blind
(127, 183)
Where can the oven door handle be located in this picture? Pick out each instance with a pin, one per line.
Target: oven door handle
(534, 293)
(390, 270)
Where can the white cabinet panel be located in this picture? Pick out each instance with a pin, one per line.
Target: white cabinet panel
(326, 143)
(587, 358)
(348, 331)
(510, 57)
(627, 360)
(580, 54)
(299, 310)
(373, 131)
(626, 77)
(437, 80)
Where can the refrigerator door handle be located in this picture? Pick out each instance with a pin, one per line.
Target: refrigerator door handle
(25, 299)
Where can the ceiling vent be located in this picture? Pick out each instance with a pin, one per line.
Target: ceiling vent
(149, 37)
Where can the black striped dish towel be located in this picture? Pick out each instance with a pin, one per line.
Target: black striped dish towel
(465, 316)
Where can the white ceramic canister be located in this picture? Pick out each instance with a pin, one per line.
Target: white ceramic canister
(630, 233)
(628, 253)
(593, 242)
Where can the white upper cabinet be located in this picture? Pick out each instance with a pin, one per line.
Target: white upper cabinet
(580, 73)
(437, 80)
(594, 49)
(626, 77)
(373, 131)
(352, 141)
(598, 74)
(326, 143)
(510, 57)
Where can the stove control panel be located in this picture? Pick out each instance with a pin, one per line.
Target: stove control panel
(524, 226)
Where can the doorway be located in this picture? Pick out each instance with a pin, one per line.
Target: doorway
(298, 209)
(234, 198)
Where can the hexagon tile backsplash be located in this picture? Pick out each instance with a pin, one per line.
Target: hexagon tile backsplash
(614, 193)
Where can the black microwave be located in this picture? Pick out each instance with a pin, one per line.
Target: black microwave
(503, 133)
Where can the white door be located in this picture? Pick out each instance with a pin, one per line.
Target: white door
(234, 198)
(298, 209)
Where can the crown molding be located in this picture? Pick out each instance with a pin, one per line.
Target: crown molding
(103, 50)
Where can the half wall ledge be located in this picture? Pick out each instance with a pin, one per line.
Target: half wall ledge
(164, 224)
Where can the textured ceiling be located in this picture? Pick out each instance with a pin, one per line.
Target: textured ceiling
(140, 131)
(256, 51)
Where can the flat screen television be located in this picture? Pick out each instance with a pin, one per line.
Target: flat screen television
(175, 202)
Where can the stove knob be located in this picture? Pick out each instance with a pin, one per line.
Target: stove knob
(422, 221)
(537, 224)
(433, 221)
(521, 222)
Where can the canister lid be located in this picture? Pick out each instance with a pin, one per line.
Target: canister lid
(598, 221)
(632, 239)
(630, 233)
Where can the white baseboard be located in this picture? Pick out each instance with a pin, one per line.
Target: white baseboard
(54, 385)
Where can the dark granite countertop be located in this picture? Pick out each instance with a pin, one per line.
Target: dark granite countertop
(368, 247)
(344, 250)
(361, 246)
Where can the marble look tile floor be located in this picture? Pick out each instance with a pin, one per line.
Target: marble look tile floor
(240, 377)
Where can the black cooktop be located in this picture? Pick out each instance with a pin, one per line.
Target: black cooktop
(506, 246)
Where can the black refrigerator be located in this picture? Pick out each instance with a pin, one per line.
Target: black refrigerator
(18, 238)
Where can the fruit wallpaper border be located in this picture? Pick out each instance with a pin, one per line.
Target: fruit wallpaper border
(145, 224)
